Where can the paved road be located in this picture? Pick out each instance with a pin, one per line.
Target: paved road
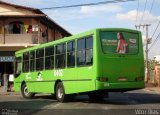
(133, 102)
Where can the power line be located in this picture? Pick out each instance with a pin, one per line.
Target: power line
(88, 4)
(151, 6)
(137, 12)
(157, 38)
(155, 29)
(146, 49)
(144, 11)
(78, 5)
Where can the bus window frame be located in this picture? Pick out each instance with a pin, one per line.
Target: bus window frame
(63, 53)
(49, 56)
(25, 61)
(39, 58)
(34, 60)
(85, 37)
(73, 51)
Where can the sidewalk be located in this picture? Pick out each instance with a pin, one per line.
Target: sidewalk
(154, 89)
(4, 93)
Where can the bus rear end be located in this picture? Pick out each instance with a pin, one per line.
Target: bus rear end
(120, 60)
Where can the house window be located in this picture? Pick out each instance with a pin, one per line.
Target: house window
(16, 27)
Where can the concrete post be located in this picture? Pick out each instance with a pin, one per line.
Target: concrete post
(0, 79)
(5, 81)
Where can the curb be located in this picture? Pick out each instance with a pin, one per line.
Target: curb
(156, 90)
(8, 93)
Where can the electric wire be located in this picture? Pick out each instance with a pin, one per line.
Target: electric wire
(155, 29)
(88, 4)
(78, 5)
(143, 11)
(151, 6)
(137, 12)
(155, 41)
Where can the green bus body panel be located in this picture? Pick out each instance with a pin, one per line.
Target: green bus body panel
(84, 79)
(115, 66)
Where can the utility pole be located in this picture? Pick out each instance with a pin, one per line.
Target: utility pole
(148, 41)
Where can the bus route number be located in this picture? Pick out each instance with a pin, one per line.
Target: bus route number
(58, 72)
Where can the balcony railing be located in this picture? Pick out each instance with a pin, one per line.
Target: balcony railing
(19, 39)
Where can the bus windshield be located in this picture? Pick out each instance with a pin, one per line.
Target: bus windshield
(18, 65)
(119, 42)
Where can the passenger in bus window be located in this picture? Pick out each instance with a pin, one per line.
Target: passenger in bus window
(121, 48)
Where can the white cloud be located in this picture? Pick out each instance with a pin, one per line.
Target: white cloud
(65, 14)
(101, 8)
(131, 16)
(154, 52)
(83, 12)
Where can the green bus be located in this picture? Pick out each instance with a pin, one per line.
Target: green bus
(94, 62)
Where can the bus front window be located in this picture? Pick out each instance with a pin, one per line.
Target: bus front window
(119, 42)
(18, 67)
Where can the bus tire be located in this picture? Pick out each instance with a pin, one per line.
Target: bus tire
(60, 93)
(25, 93)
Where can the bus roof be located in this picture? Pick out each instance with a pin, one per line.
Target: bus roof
(73, 37)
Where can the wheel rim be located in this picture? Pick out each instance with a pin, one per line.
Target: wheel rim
(60, 92)
(26, 91)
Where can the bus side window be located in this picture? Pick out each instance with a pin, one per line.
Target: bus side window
(32, 61)
(26, 62)
(85, 51)
(81, 52)
(39, 59)
(89, 50)
(60, 61)
(71, 54)
(49, 57)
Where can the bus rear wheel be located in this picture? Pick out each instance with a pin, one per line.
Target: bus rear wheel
(25, 93)
(60, 93)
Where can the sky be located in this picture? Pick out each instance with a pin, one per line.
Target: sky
(121, 15)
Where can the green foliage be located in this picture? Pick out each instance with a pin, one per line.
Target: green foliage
(151, 64)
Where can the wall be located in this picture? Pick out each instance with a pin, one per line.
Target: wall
(157, 75)
(1, 38)
(11, 10)
(18, 38)
(58, 35)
